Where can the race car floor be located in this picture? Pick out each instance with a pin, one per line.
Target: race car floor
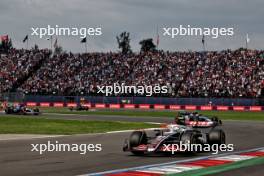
(16, 157)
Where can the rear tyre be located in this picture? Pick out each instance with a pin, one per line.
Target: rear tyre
(7, 111)
(217, 136)
(137, 138)
(36, 110)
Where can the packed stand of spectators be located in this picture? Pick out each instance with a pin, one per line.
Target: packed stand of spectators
(227, 73)
(16, 64)
(81, 74)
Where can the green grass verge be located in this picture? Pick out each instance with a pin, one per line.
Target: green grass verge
(226, 115)
(221, 168)
(40, 125)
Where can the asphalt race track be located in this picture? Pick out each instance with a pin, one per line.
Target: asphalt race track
(17, 159)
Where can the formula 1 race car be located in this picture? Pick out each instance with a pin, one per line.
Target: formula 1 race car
(79, 108)
(21, 110)
(164, 140)
(195, 119)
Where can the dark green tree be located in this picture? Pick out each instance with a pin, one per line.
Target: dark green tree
(123, 41)
(147, 45)
(58, 50)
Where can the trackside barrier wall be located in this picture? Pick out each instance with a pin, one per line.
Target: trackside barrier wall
(148, 100)
(149, 106)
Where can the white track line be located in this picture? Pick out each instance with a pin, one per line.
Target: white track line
(26, 137)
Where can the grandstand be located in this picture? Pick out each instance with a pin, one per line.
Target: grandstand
(232, 74)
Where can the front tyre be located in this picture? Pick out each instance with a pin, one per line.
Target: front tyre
(189, 138)
(137, 138)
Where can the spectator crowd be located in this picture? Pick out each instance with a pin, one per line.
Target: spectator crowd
(238, 73)
(16, 65)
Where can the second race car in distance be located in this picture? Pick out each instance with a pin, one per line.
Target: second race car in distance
(195, 119)
(21, 109)
(79, 107)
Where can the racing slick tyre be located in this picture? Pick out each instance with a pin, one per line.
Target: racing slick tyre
(216, 136)
(8, 111)
(137, 138)
(190, 137)
(36, 111)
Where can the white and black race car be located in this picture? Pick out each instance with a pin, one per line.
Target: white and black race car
(163, 142)
(195, 119)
